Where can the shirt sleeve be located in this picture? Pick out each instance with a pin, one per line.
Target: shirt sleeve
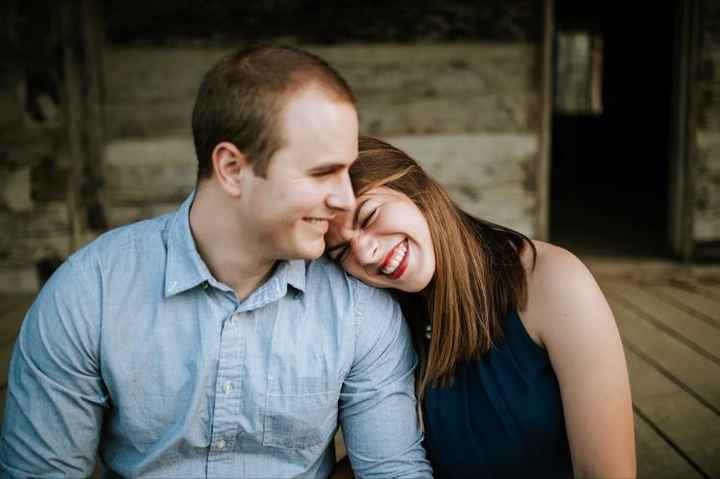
(377, 402)
(55, 397)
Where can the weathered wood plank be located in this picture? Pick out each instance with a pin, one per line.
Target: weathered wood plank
(27, 252)
(5, 354)
(45, 219)
(705, 288)
(487, 174)
(142, 171)
(699, 304)
(8, 303)
(656, 459)
(122, 215)
(18, 279)
(403, 89)
(11, 320)
(686, 327)
(3, 394)
(703, 285)
(676, 359)
(690, 426)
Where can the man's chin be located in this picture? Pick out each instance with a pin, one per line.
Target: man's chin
(308, 251)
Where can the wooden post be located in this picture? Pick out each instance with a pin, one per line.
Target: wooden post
(542, 170)
(81, 49)
(682, 157)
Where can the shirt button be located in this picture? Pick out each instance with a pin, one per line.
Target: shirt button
(220, 444)
(227, 387)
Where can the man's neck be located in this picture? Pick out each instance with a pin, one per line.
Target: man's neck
(223, 245)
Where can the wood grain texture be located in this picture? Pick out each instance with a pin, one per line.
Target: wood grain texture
(675, 359)
(656, 457)
(692, 428)
(403, 89)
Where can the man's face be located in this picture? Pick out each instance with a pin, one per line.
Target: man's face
(307, 182)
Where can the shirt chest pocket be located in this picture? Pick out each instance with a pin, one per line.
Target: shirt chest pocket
(303, 417)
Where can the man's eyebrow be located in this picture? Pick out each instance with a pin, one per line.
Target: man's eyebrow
(327, 167)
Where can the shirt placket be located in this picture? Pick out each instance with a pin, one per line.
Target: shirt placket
(228, 396)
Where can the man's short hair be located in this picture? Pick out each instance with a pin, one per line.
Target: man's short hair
(241, 97)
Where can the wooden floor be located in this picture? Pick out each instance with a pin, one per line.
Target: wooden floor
(670, 323)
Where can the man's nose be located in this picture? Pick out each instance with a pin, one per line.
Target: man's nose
(342, 197)
(366, 249)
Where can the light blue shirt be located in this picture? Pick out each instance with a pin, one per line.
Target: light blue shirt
(135, 351)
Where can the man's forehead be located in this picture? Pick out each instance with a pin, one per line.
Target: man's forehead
(318, 130)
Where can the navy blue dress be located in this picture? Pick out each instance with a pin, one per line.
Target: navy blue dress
(501, 417)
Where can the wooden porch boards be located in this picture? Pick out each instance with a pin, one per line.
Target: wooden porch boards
(671, 334)
(669, 319)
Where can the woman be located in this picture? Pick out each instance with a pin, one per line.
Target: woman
(522, 372)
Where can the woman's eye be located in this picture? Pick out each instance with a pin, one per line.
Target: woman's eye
(369, 218)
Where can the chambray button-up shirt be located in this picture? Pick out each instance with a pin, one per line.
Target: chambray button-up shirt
(134, 350)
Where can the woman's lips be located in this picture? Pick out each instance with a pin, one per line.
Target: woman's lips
(402, 266)
(399, 253)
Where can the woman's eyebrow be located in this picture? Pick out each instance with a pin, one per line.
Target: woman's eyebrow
(356, 217)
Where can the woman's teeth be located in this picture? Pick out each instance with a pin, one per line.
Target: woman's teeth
(396, 259)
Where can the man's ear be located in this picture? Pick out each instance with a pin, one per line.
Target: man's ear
(229, 163)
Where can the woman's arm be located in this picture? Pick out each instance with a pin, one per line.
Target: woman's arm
(568, 314)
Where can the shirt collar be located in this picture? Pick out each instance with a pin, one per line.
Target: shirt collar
(185, 269)
(296, 274)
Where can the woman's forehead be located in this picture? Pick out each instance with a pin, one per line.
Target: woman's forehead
(379, 192)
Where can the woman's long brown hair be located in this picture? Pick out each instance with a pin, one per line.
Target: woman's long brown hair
(479, 276)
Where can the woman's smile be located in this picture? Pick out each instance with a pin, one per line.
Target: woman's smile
(396, 261)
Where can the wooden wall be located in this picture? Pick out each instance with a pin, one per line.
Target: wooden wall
(34, 226)
(85, 148)
(707, 135)
(468, 112)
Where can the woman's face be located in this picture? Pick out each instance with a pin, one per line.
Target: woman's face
(386, 242)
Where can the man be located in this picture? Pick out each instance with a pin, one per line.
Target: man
(202, 343)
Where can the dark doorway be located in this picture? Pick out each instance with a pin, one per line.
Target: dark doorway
(609, 173)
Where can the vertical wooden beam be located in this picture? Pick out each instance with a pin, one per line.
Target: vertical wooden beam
(684, 113)
(72, 101)
(93, 185)
(542, 170)
(81, 47)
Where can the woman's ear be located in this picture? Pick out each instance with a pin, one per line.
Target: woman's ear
(228, 165)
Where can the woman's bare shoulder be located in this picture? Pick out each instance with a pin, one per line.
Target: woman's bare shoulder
(555, 271)
(560, 288)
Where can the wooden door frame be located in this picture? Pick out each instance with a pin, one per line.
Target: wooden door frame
(542, 171)
(682, 152)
